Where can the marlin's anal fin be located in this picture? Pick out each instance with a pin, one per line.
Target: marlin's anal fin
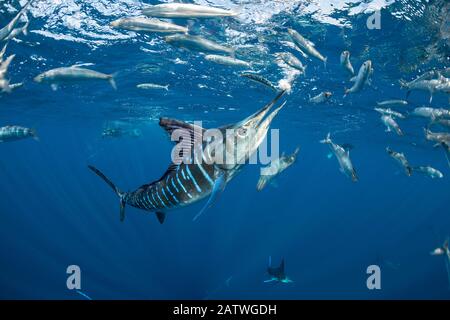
(219, 186)
(161, 217)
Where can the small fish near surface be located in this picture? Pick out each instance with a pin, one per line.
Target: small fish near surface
(432, 86)
(2, 52)
(343, 156)
(14, 133)
(277, 274)
(361, 79)
(391, 124)
(74, 73)
(275, 168)
(401, 159)
(185, 11)
(390, 112)
(5, 85)
(346, 64)
(306, 45)
(4, 66)
(198, 43)
(291, 60)
(148, 25)
(431, 113)
(227, 61)
(321, 97)
(260, 79)
(429, 171)
(152, 86)
(186, 182)
(441, 122)
(6, 31)
(392, 103)
(18, 31)
(437, 137)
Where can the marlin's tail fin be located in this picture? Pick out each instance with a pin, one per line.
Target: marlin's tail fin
(116, 190)
(327, 139)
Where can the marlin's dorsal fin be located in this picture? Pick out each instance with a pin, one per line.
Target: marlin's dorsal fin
(219, 186)
(191, 132)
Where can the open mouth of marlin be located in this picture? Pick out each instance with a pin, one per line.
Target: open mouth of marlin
(203, 161)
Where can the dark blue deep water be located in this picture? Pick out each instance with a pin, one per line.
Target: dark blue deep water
(54, 212)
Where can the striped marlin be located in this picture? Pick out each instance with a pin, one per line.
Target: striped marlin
(187, 182)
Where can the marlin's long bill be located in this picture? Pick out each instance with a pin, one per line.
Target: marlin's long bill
(188, 182)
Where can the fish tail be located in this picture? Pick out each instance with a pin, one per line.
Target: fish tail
(34, 134)
(25, 28)
(166, 87)
(116, 190)
(325, 60)
(327, 139)
(409, 170)
(262, 182)
(346, 92)
(403, 83)
(112, 81)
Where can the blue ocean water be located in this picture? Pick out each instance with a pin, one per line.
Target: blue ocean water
(54, 212)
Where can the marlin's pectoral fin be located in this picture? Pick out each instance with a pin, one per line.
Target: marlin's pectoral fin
(219, 186)
(161, 216)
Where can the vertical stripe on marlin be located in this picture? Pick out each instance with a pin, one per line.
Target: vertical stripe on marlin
(160, 199)
(144, 202)
(138, 201)
(202, 170)
(171, 194)
(149, 200)
(153, 197)
(182, 186)
(167, 198)
(193, 179)
(173, 184)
